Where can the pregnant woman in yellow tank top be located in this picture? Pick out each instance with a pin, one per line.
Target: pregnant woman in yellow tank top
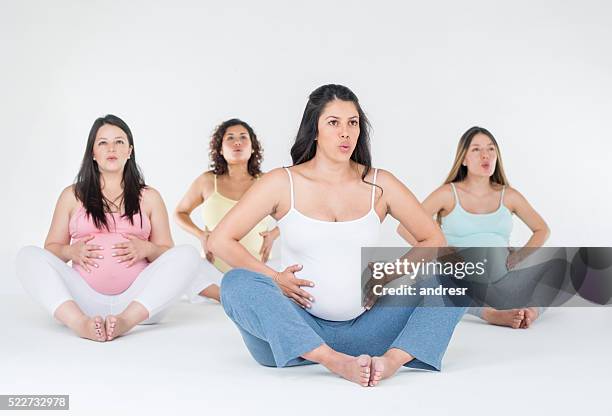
(236, 156)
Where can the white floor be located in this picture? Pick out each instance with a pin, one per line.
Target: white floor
(195, 361)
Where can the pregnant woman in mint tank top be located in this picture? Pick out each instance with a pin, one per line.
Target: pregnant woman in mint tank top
(474, 208)
(328, 205)
(114, 229)
(235, 156)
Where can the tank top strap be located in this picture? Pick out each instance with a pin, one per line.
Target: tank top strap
(373, 189)
(215, 180)
(290, 185)
(501, 201)
(455, 193)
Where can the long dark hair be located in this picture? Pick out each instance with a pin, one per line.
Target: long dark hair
(87, 187)
(305, 146)
(218, 164)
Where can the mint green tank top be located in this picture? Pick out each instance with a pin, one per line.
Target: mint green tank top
(464, 229)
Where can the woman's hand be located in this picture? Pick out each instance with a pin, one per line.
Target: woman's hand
(513, 258)
(204, 241)
(132, 251)
(290, 286)
(82, 253)
(369, 297)
(267, 243)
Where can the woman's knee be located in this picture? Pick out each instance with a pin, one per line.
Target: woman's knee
(29, 253)
(26, 257)
(186, 253)
(236, 283)
(265, 360)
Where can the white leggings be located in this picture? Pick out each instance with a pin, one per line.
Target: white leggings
(208, 275)
(51, 282)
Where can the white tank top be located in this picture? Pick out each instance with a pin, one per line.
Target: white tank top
(330, 253)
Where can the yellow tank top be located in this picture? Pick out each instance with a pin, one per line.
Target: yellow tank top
(214, 209)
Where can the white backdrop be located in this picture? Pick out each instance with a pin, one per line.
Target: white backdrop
(537, 74)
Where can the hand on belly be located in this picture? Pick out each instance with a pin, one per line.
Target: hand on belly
(110, 276)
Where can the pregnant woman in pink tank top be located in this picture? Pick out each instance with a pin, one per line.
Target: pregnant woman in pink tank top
(114, 230)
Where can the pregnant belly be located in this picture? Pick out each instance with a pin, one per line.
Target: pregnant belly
(110, 277)
(337, 292)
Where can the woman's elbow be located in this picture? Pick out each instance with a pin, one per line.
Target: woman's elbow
(546, 232)
(214, 242)
(440, 241)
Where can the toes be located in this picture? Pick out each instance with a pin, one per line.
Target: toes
(110, 327)
(378, 368)
(364, 361)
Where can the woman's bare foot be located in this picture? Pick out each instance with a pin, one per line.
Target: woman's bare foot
(355, 369)
(116, 326)
(211, 292)
(531, 314)
(90, 328)
(387, 365)
(512, 318)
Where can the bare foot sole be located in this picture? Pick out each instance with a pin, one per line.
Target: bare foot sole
(116, 326)
(382, 368)
(91, 328)
(512, 318)
(355, 369)
(211, 292)
(531, 314)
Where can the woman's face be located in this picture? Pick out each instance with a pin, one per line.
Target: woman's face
(338, 130)
(236, 145)
(111, 148)
(481, 156)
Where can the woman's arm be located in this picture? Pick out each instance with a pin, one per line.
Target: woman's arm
(160, 238)
(425, 235)
(519, 205)
(58, 237)
(437, 201)
(191, 200)
(262, 199)
(402, 205)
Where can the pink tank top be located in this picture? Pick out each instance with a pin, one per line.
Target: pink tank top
(110, 277)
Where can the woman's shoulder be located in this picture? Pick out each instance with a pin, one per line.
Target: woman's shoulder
(512, 197)
(150, 195)
(278, 173)
(67, 201)
(444, 190)
(276, 176)
(205, 182)
(68, 196)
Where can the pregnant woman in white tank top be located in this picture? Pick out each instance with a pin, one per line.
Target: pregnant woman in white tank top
(328, 205)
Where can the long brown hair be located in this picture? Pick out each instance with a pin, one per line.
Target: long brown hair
(459, 172)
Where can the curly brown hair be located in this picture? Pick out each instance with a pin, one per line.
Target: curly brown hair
(218, 164)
